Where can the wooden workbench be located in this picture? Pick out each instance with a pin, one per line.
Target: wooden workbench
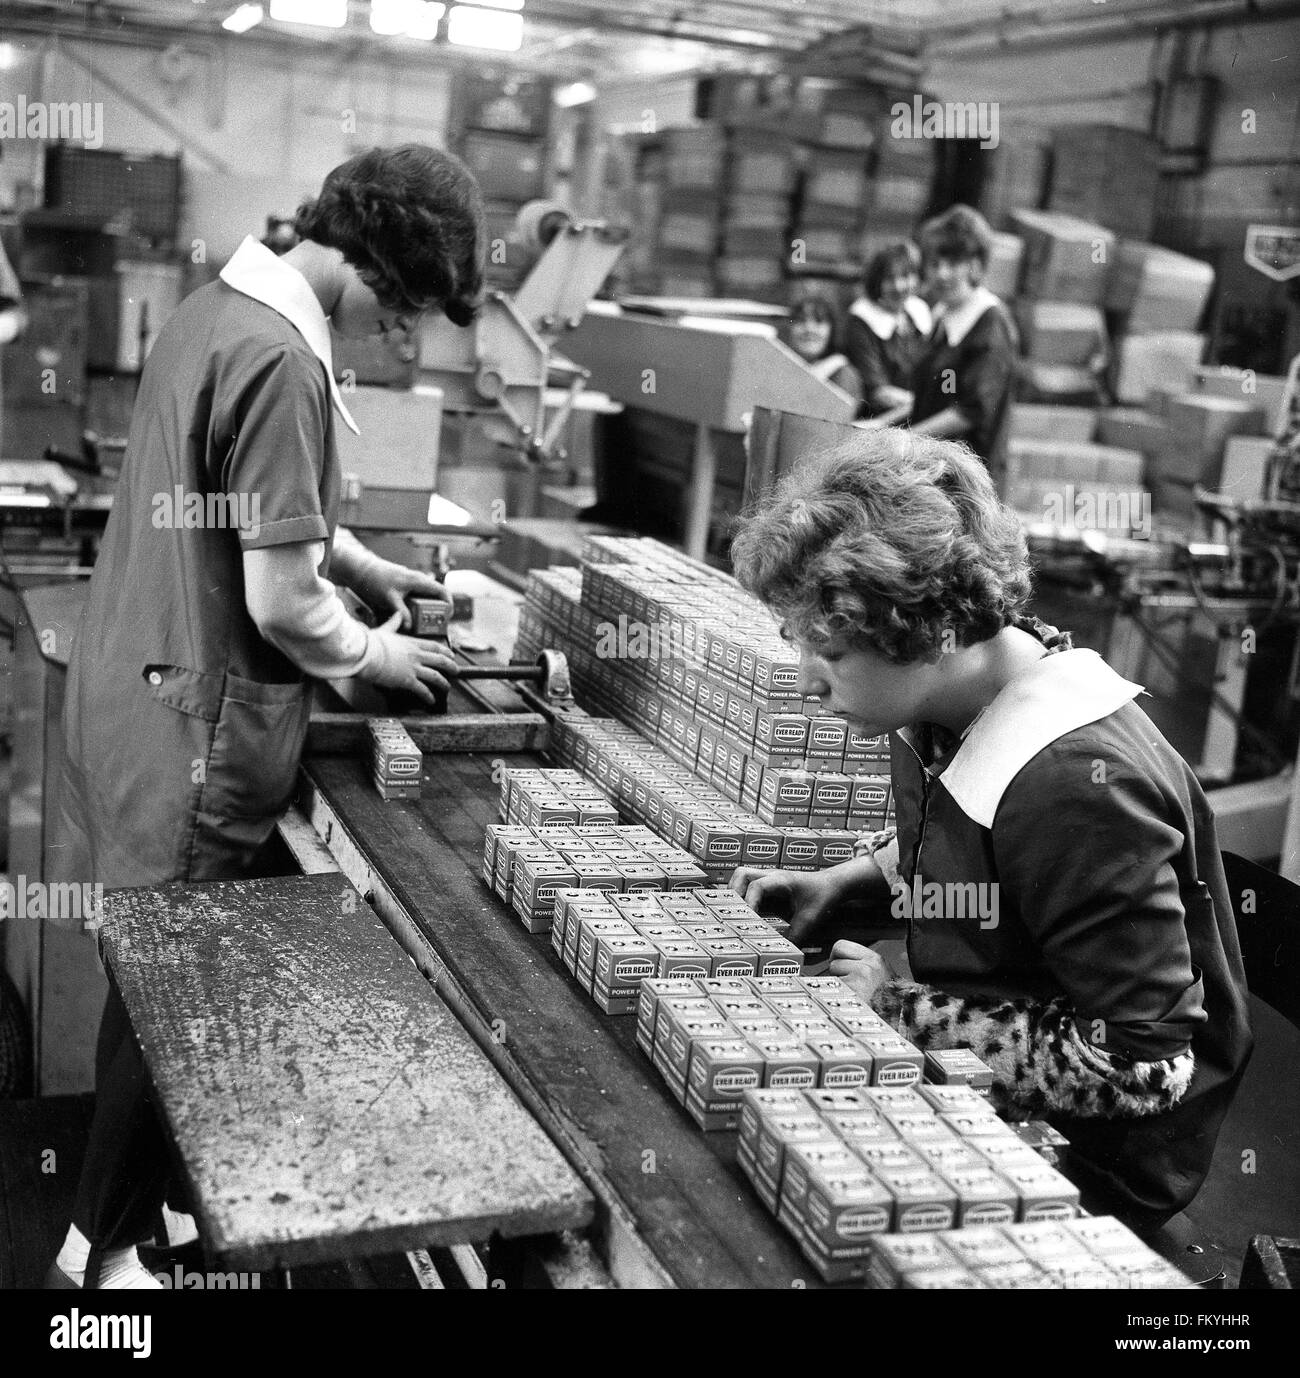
(673, 1208)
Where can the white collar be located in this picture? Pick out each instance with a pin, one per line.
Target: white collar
(827, 368)
(1057, 694)
(256, 272)
(884, 323)
(959, 323)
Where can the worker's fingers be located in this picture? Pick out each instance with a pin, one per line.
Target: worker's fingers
(850, 951)
(422, 692)
(437, 660)
(741, 878)
(426, 586)
(429, 676)
(393, 602)
(393, 623)
(764, 891)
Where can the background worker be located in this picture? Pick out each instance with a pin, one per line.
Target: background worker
(188, 687)
(963, 380)
(814, 333)
(887, 328)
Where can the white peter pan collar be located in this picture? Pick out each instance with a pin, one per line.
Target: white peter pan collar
(959, 323)
(1057, 694)
(256, 272)
(884, 323)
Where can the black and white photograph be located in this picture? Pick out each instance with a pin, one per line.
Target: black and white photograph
(649, 647)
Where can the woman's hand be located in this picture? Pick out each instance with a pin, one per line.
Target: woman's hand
(806, 898)
(861, 969)
(385, 586)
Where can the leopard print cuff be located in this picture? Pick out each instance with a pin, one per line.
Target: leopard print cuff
(1041, 1062)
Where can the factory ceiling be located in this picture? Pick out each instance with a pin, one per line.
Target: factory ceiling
(612, 40)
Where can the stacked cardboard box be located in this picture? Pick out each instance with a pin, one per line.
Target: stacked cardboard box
(1108, 174)
(1060, 332)
(1062, 280)
(1078, 484)
(1017, 174)
(1164, 360)
(1152, 289)
(1035, 421)
(1065, 258)
(1199, 428)
(761, 177)
(1002, 277)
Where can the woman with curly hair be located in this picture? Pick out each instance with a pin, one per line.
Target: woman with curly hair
(1054, 859)
(211, 604)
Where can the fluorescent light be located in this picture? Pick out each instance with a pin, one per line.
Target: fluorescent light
(576, 93)
(413, 18)
(473, 27)
(244, 18)
(321, 14)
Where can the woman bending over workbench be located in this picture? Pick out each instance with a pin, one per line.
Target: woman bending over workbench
(1098, 972)
(188, 694)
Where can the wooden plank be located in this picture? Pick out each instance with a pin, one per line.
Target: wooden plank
(341, 733)
(692, 1213)
(324, 1101)
(311, 854)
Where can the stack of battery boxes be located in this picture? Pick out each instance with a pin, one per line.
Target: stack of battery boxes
(617, 944)
(670, 798)
(1090, 1252)
(683, 655)
(396, 763)
(714, 1039)
(621, 903)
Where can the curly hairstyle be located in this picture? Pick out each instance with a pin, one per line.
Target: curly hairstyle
(889, 540)
(960, 233)
(410, 221)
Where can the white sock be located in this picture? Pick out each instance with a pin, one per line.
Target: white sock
(119, 1269)
(75, 1252)
(180, 1228)
(122, 1270)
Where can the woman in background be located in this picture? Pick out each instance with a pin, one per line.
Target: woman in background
(887, 328)
(814, 337)
(964, 377)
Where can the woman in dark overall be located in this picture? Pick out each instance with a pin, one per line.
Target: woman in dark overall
(187, 699)
(1101, 978)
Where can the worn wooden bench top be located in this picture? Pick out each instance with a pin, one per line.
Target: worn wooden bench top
(324, 1101)
(684, 1200)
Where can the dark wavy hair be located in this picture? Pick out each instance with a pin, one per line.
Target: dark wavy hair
(890, 540)
(410, 221)
(959, 234)
(819, 307)
(886, 262)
